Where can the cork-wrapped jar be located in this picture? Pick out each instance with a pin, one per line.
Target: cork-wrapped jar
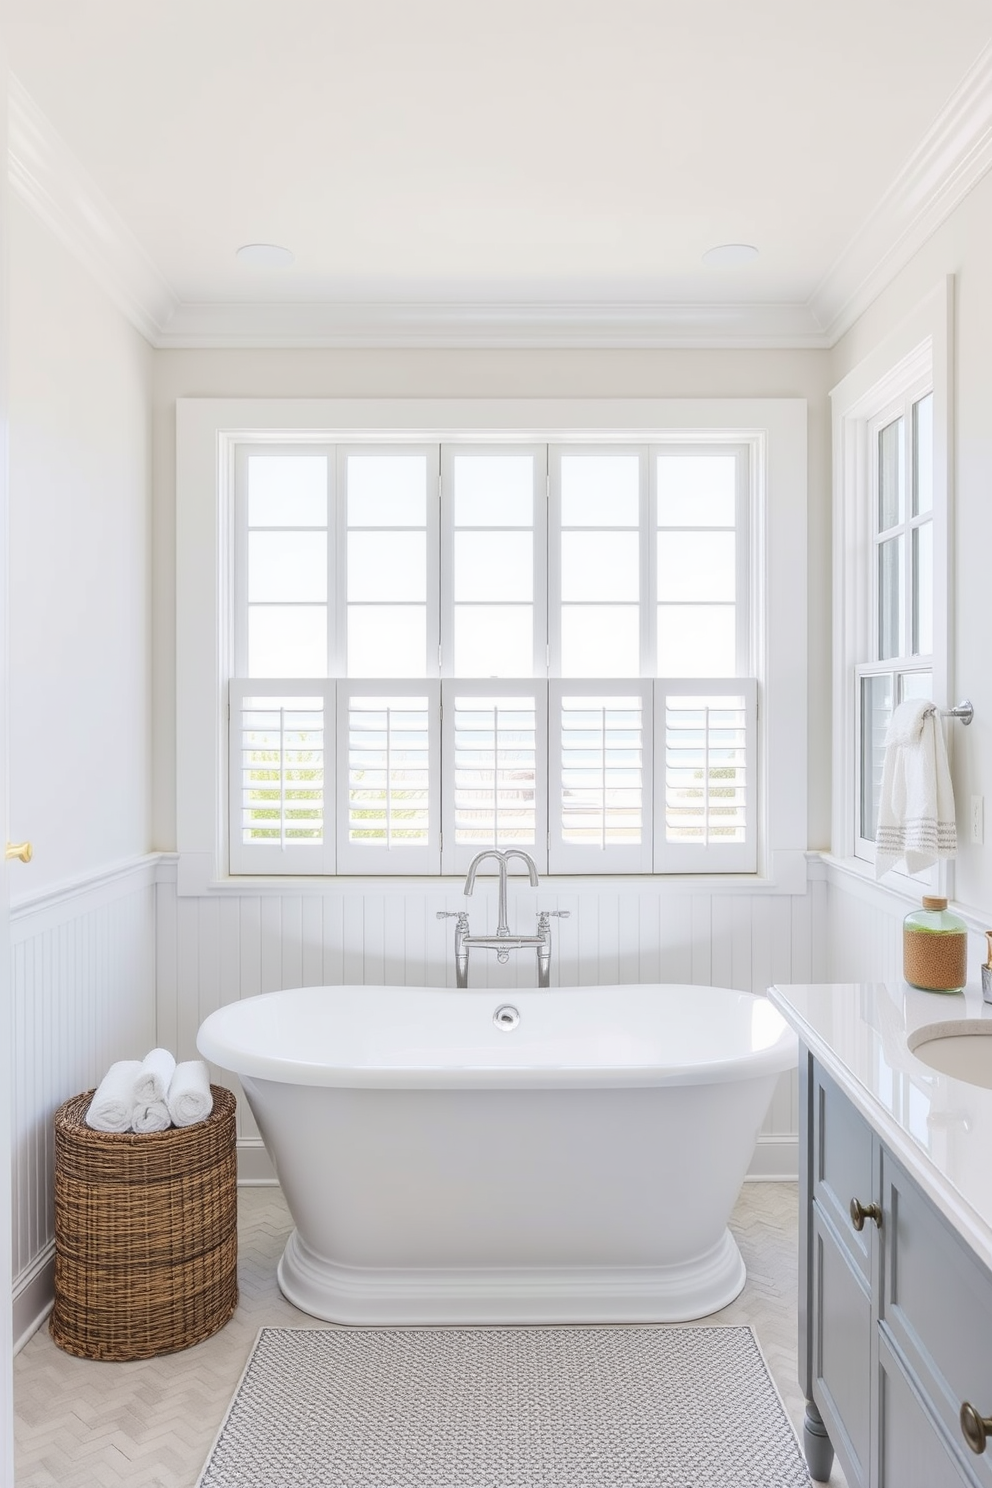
(935, 948)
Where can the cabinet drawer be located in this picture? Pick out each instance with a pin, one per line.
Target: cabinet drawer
(911, 1450)
(936, 1305)
(842, 1165)
(841, 1351)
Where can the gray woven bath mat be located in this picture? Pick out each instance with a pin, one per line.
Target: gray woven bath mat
(522, 1407)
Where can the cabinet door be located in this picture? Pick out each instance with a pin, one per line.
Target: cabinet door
(842, 1329)
(842, 1166)
(911, 1451)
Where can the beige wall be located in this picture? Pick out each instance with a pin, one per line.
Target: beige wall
(80, 507)
(489, 374)
(963, 247)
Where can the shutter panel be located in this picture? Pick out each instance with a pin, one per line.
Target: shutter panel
(707, 735)
(600, 778)
(282, 818)
(495, 748)
(388, 777)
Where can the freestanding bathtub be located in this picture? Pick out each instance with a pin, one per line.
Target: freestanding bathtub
(476, 1156)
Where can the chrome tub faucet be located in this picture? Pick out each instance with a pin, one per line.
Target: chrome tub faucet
(503, 942)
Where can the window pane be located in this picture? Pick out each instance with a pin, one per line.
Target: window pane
(600, 490)
(923, 589)
(494, 565)
(387, 640)
(494, 490)
(599, 565)
(287, 641)
(287, 490)
(915, 685)
(876, 710)
(387, 490)
(387, 565)
(697, 641)
(696, 566)
(494, 640)
(923, 455)
(287, 565)
(890, 603)
(697, 490)
(890, 476)
(600, 641)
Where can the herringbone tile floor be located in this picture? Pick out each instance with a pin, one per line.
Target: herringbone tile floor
(81, 1424)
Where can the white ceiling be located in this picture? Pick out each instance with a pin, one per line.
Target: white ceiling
(542, 169)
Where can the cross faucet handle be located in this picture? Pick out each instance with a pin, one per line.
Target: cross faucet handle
(557, 914)
(451, 914)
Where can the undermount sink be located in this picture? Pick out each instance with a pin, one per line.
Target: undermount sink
(961, 1048)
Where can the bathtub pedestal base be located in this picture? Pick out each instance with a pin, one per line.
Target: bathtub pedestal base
(378, 1297)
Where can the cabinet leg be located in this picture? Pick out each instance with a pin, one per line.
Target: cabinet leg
(816, 1444)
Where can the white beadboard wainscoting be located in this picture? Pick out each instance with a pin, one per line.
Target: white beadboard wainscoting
(216, 948)
(83, 993)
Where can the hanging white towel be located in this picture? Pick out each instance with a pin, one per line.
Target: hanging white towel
(152, 1084)
(150, 1116)
(916, 801)
(112, 1105)
(190, 1098)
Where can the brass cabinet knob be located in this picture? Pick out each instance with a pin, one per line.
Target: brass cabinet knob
(20, 850)
(860, 1212)
(974, 1428)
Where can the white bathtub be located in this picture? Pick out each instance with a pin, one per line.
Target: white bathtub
(577, 1167)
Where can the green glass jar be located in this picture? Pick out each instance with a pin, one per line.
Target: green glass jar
(935, 948)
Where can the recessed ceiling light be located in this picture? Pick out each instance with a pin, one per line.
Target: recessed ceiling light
(728, 255)
(265, 256)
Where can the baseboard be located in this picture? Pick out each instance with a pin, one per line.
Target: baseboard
(34, 1295)
(775, 1160)
(255, 1168)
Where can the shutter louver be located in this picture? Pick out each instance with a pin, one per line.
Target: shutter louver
(279, 802)
(496, 740)
(601, 777)
(388, 777)
(707, 823)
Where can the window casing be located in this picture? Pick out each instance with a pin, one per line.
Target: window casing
(211, 438)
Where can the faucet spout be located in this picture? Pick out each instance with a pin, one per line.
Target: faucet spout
(502, 929)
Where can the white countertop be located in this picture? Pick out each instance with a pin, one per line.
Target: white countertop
(939, 1127)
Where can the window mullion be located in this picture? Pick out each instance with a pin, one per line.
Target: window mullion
(649, 563)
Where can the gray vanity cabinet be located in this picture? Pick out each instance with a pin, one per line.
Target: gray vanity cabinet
(895, 1311)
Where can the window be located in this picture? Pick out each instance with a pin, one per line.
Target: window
(429, 645)
(477, 565)
(892, 543)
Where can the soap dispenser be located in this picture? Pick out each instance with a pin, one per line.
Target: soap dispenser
(987, 970)
(935, 948)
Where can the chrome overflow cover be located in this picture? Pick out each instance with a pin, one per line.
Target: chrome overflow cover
(506, 1017)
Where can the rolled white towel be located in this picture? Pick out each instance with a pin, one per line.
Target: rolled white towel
(190, 1099)
(152, 1084)
(150, 1116)
(112, 1105)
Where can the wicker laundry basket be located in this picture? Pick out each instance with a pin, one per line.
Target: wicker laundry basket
(146, 1234)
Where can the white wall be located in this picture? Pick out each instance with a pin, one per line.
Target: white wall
(461, 374)
(963, 247)
(80, 650)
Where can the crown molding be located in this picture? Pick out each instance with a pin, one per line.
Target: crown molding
(493, 324)
(950, 159)
(46, 175)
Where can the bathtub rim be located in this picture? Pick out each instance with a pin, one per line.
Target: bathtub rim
(777, 1058)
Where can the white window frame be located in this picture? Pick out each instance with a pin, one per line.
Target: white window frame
(915, 359)
(773, 431)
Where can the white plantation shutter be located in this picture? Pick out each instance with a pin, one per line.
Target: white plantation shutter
(600, 777)
(706, 738)
(388, 777)
(494, 741)
(281, 813)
